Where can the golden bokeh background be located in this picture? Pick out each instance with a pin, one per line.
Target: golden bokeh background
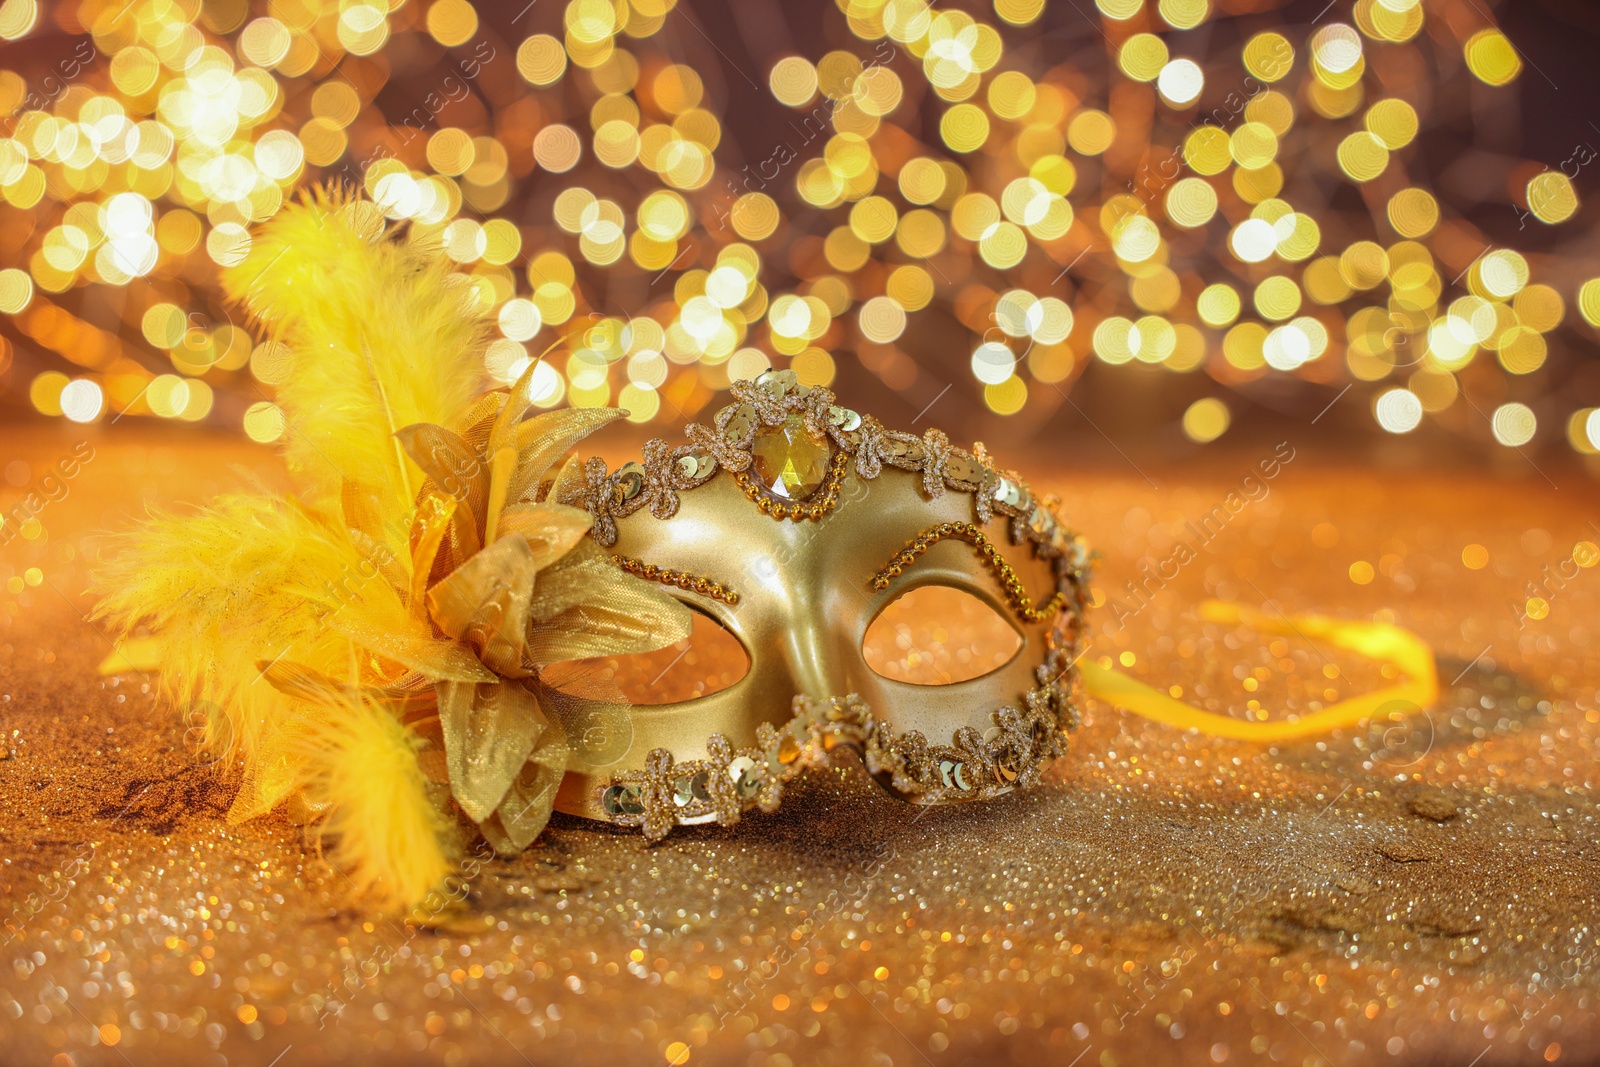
(1184, 211)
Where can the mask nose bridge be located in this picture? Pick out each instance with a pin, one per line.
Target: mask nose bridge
(816, 657)
(820, 649)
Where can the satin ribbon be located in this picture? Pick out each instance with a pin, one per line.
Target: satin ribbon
(1380, 641)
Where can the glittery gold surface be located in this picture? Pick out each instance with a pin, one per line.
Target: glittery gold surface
(1424, 893)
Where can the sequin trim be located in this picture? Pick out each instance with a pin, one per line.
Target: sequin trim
(1012, 754)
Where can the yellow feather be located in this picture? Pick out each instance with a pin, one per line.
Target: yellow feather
(381, 333)
(247, 579)
(388, 836)
(254, 578)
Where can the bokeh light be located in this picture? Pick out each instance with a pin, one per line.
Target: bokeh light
(926, 201)
(1206, 420)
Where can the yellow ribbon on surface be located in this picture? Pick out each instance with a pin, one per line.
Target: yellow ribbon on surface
(1380, 641)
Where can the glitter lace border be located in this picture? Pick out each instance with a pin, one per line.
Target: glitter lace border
(765, 404)
(731, 781)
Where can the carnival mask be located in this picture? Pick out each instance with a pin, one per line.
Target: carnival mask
(793, 523)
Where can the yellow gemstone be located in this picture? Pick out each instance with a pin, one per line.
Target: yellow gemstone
(790, 462)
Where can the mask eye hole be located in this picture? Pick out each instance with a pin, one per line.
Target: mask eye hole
(938, 635)
(710, 660)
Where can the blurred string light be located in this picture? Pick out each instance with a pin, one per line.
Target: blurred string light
(1167, 206)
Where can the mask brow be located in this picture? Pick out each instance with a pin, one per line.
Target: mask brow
(694, 583)
(1016, 596)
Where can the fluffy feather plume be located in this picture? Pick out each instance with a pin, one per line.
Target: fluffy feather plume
(248, 578)
(385, 832)
(380, 334)
(389, 607)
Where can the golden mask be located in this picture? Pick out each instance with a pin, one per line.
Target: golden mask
(794, 522)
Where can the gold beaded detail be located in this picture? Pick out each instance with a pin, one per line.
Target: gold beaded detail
(992, 558)
(822, 502)
(694, 583)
